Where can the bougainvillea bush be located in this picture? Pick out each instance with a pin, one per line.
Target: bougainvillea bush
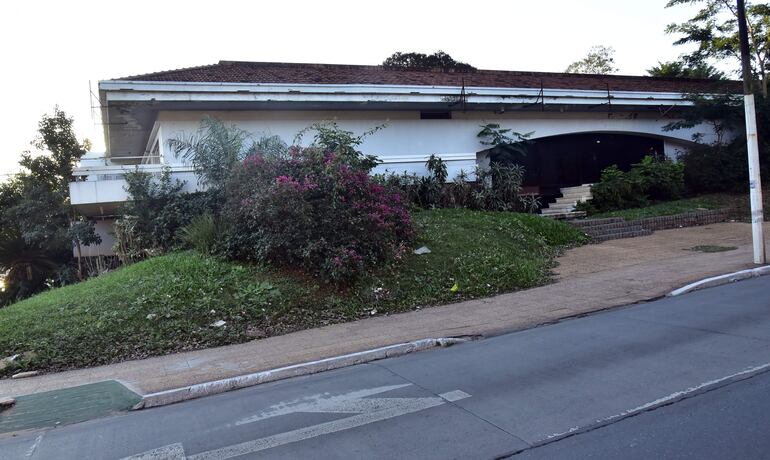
(316, 210)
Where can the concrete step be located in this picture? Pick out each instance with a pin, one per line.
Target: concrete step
(564, 215)
(584, 190)
(562, 205)
(567, 201)
(575, 196)
(585, 187)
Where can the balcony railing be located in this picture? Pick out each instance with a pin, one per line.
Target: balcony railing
(98, 188)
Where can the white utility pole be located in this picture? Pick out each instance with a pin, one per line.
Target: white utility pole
(755, 181)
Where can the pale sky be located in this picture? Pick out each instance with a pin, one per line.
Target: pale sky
(51, 50)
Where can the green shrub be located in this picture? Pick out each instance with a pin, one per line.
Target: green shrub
(202, 234)
(717, 168)
(661, 179)
(652, 179)
(496, 188)
(617, 190)
(151, 221)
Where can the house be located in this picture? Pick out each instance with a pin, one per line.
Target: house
(579, 123)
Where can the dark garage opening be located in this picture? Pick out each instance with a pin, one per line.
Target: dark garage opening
(575, 159)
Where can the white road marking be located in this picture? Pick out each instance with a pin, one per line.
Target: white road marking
(664, 400)
(170, 452)
(367, 410)
(456, 395)
(33, 447)
(316, 403)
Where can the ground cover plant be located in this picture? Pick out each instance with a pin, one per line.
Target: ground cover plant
(133, 312)
(736, 203)
(668, 208)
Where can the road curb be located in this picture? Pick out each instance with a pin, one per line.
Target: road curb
(200, 390)
(721, 279)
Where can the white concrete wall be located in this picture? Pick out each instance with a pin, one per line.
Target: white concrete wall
(673, 148)
(105, 230)
(407, 141)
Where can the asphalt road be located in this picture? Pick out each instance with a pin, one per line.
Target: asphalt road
(681, 377)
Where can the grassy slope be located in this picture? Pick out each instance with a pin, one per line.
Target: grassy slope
(106, 319)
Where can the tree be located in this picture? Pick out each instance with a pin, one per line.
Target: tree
(599, 60)
(213, 150)
(714, 31)
(681, 69)
(420, 61)
(39, 225)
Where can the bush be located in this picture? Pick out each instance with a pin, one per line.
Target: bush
(151, 221)
(661, 179)
(650, 180)
(717, 168)
(315, 211)
(496, 188)
(617, 190)
(203, 234)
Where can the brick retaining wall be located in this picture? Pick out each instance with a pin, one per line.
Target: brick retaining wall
(690, 219)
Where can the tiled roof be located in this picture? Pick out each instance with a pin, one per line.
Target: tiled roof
(273, 72)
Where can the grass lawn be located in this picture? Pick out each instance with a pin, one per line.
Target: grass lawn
(172, 302)
(739, 203)
(668, 208)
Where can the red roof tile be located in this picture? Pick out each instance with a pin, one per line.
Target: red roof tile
(273, 72)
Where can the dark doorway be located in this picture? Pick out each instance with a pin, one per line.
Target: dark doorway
(575, 159)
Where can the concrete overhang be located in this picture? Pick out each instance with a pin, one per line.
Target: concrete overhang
(130, 108)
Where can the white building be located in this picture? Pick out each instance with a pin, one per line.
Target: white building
(580, 123)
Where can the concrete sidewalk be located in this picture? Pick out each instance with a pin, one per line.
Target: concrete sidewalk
(590, 278)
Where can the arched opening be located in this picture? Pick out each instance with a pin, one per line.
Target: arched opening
(573, 159)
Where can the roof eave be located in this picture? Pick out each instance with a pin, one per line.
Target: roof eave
(127, 91)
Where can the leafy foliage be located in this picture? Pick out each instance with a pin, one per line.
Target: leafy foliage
(317, 210)
(39, 225)
(661, 178)
(599, 60)
(505, 145)
(329, 136)
(653, 179)
(722, 165)
(683, 69)
(203, 233)
(213, 150)
(714, 32)
(718, 168)
(420, 61)
(151, 221)
(496, 188)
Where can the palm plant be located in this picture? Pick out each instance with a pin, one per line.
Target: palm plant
(25, 268)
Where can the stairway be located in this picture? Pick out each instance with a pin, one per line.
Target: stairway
(564, 206)
(611, 228)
